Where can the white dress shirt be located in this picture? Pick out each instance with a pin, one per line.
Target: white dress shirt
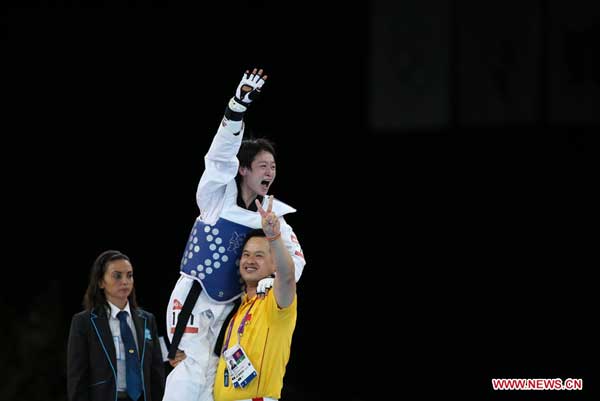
(115, 328)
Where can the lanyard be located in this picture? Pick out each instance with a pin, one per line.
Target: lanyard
(240, 329)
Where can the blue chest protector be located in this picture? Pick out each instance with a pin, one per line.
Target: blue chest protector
(212, 256)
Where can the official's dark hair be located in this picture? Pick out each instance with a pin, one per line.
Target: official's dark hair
(257, 232)
(94, 297)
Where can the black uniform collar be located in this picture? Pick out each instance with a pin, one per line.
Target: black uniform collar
(242, 204)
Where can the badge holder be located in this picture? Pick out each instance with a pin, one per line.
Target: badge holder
(239, 366)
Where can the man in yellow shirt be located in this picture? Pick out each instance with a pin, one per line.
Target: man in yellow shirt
(257, 343)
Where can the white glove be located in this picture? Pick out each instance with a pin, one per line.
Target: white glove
(249, 87)
(264, 285)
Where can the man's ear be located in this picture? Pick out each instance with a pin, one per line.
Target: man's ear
(243, 171)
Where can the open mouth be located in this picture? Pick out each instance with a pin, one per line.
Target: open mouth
(265, 183)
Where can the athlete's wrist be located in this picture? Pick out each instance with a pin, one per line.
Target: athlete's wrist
(273, 237)
(234, 110)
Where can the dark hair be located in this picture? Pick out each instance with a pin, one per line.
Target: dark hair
(257, 232)
(94, 297)
(251, 147)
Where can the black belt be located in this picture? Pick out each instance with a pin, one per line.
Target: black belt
(184, 315)
(221, 337)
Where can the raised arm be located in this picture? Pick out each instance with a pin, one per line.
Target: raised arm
(285, 283)
(221, 163)
(293, 246)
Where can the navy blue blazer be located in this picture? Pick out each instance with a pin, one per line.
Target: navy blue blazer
(92, 360)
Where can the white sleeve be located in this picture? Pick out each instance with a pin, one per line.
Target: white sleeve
(220, 168)
(293, 246)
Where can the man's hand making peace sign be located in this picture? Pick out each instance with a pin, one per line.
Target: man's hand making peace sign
(284, 284)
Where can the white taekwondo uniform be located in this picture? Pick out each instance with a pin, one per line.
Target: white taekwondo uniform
(211, 257)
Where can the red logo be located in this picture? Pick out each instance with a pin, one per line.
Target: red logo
(188, 329)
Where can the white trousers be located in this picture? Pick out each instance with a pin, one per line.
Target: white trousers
(193, 378)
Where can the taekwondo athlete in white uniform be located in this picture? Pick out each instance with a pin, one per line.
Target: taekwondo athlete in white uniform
(211, 256)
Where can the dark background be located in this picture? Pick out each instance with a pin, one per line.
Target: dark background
(440, 156)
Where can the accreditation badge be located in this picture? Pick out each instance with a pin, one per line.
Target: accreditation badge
(239, 366)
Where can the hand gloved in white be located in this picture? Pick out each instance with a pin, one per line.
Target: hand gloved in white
(249, 87)
(264, 285)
